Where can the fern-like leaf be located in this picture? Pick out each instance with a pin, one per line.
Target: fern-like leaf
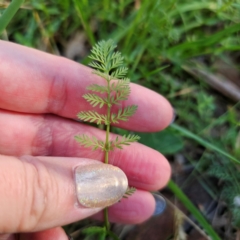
(108, 65)
(94, 100)
(92, 116)
(115, 59)
(120, 85)
(107, 61)
(119, 72)
(124, 114)
(97, 88)
(101, 50)
(100, 54)
(122, 90)
(130, 191)
(120, 96)
(98, 66)
(103, 75)
(124, 140)
(92, 142)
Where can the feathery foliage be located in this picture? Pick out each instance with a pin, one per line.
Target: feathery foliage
(130, 191)
(87, 141)
(124, 114)
(94, 100)
(229, 175)
(108, 65)
(105, 59)
(124, 140)
(92, 116)
(97, 88)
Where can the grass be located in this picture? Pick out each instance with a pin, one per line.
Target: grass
(157, 46)
(196, 213)
(9, 13)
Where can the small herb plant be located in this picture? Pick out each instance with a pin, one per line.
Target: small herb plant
(108, 64)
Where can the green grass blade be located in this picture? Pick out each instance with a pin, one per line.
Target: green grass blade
(79, 5)
(201, 46)
(9, 13)
(195, 212)
(184, 132)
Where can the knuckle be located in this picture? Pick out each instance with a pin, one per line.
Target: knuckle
(39, 192)
(58, 90)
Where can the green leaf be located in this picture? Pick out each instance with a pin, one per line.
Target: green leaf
(115, 55)
(103, 57)
(130, 191)
(92, 142)
(119, 72)
(120, 85)
(124, 114)
(113, 235)
(94, 99)
(97, 88)
(124, 140)
(166, 141)
(98, 66)
(115, 63)
(122, 89)
(101, 50)
(92, 116)
(120, 96)
(102, 235)
(107, 61)
(107, 77)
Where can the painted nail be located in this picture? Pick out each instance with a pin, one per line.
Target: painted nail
(160, 204)
(174, 116)
(100, 185)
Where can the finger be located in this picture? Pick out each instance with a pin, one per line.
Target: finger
(7, 237)
(133, 210)
(49, 234)
(39, 193)
(43, 83)
(146, 168)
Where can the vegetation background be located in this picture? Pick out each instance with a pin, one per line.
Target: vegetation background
(187, 51)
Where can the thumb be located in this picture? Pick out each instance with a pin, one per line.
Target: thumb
(39, 193)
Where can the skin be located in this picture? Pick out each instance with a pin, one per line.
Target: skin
(40, 96)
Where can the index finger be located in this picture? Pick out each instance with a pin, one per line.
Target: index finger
(37, 82)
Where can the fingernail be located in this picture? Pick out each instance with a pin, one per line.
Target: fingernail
(99, 185)
(174, 116)
(160, 204)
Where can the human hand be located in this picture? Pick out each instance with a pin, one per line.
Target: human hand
(40, 94)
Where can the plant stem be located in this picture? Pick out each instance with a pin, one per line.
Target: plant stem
(106, 222)
(9, 13)
(108, 122)
(107, 139)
